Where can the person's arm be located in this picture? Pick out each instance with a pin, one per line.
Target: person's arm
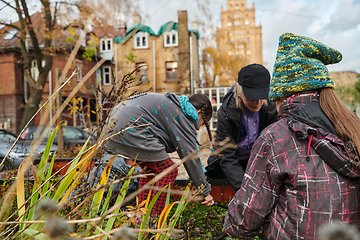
(183, 134)
(229, 163)
(249, 208)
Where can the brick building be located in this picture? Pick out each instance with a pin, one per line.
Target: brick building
(14, 88)
(239, 37)
(169, 58)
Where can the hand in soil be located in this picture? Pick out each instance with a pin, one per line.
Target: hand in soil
(208, 201)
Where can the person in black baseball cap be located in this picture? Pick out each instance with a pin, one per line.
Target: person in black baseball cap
(244, 113)
(255, 82)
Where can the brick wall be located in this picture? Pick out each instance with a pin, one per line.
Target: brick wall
(7, 70)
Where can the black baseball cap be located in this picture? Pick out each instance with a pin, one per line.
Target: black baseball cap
(255, 81)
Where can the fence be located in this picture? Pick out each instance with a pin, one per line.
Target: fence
(216, 96)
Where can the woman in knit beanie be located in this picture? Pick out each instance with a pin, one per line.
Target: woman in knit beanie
(303, 171)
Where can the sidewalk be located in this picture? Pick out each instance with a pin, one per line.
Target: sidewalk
(182, 174)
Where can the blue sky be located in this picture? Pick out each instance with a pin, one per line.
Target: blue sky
(333, 22)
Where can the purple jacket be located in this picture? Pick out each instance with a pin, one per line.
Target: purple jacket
(298, 178)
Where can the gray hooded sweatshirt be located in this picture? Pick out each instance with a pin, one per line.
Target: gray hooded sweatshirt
(165, 129)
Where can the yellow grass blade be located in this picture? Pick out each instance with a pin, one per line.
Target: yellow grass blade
(163, 216)
(20, 194)
(103, 180)
(83, 165)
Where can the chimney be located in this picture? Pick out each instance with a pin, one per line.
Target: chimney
(194, 26)
(136, 19)
(184, 53)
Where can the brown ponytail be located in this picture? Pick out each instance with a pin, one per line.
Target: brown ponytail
(206, 122)
(347, 124)
(202, 102)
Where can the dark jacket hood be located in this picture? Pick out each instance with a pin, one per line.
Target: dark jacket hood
(229, 106)
(309, 123)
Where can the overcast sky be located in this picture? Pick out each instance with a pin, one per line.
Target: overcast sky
(335, 23)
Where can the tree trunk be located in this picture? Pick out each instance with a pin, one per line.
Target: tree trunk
(34, 100)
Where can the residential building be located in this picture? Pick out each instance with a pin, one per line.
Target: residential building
(167, 61)
(14, 87)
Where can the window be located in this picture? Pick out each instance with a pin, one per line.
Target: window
(6, 137)
(70, 133)
(106, 75)
(79, 70)
(106, 44)
(229, 24)
(34, 71)
(84, 40)
(143, 71)
(98, 75)
(141, 40)
(171, 71)
(58, 71)
(10, 35)
(170, 38)
(246, 22)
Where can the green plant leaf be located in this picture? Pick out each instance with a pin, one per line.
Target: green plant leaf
(149, 207)
(119, 199)
(48, 176)
(180, 208)
(105, 206)
(40, 173)
(65, 183)
(45, 156)
(39, 235)
(103, 180)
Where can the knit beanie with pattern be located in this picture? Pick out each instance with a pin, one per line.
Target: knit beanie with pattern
(300, 66)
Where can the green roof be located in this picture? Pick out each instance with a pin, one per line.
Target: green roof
(143, 28)
(118, 39)
(167, 27)
(196, 32)
(140, 28)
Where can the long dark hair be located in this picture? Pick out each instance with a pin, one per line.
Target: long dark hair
(202, 102)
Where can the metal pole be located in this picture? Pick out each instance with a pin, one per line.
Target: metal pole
(191, 69)
(116, 67)
(50, 94)
(154, 62)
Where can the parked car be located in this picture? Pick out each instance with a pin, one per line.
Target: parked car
(20, 151)
(72, 135)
